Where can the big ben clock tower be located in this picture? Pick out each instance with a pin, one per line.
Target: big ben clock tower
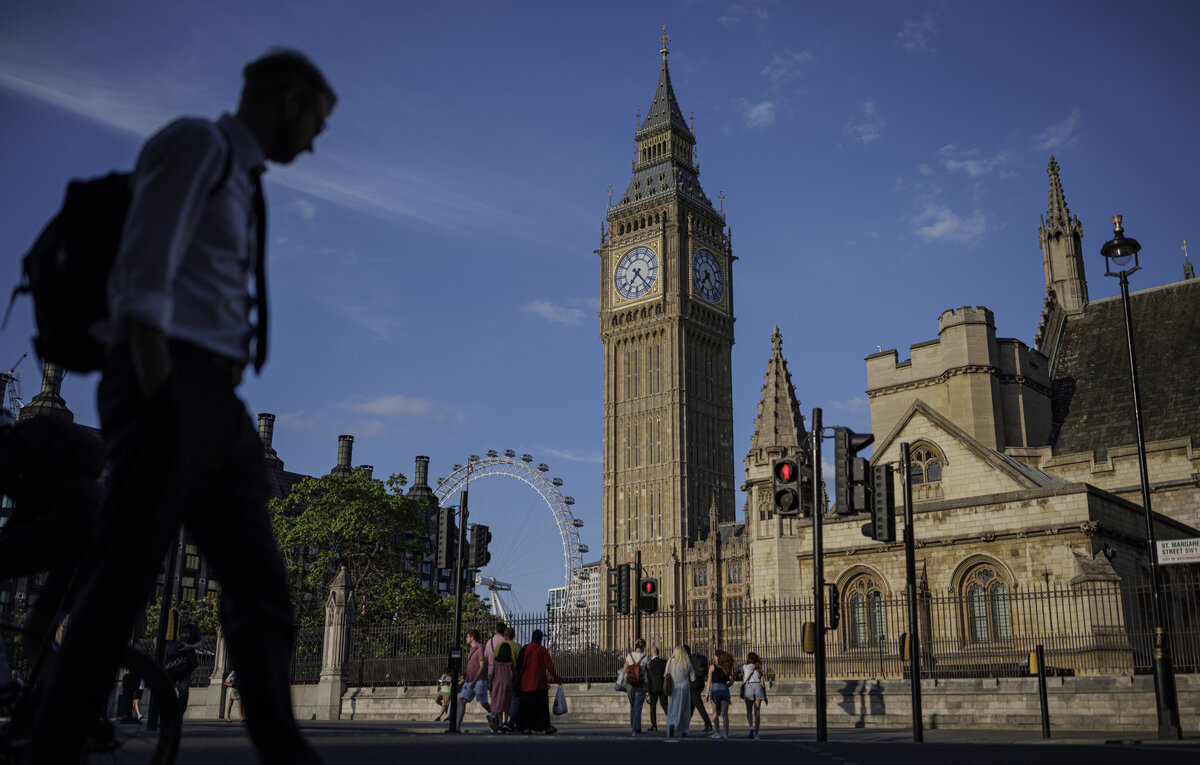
(666, 323)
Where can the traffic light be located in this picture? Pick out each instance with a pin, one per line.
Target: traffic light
(447, 538)
(648, 595)
(614, 588)
(785, 485)
(835, 606)
(882, 527)
(623, 588)
(808, 637)
(906, 646)
(853, 478)
(477, 552)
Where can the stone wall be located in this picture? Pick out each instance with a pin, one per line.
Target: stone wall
(1121, 703)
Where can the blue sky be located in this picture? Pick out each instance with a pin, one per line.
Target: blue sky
(433, 277)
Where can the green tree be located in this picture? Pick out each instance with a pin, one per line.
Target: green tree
(204, 615)
(355, 521)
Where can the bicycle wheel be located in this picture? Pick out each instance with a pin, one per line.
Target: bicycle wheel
(125, 740)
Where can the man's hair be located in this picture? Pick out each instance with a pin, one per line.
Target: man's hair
(473, 634)
(639, 644)
(272, 75)
(536, 637)
(509, 633)
(500, 627)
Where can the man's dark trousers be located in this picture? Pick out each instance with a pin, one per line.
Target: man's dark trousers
(700, 666)
(188, 455)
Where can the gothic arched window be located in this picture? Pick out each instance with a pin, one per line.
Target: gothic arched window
(985, 601)
(925, 463)
(864, 604)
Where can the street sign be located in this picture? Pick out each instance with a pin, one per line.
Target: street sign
(1178, 551)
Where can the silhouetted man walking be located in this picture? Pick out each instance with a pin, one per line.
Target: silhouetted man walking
(182, 446)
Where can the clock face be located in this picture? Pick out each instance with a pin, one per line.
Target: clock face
(636, 272)
(706, 273)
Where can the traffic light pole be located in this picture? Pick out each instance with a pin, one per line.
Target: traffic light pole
(818, 578)
(910, 564)
(637, 620)
(455, 649)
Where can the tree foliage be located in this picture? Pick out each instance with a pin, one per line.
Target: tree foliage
(204, 615)
(366, 525)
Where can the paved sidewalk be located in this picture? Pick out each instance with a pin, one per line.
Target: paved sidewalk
(368, 742)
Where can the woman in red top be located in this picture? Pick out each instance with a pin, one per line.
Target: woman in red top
(532, 666)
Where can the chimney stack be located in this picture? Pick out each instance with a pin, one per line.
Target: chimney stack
(421, 472)
(49, 402)
(266, 433)
(345, 451)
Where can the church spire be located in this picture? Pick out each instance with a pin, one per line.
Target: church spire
(1058, 217)
(1060, 238)
(779, 423)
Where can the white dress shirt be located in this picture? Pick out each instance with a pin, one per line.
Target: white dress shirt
(187, 255)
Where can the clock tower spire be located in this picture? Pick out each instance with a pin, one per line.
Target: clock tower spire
(667, 331)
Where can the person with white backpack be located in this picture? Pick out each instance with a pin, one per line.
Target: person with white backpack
(754, 693)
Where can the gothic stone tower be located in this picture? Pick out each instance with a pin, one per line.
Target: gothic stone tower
(666, 323)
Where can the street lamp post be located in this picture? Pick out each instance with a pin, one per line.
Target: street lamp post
(1121, 253)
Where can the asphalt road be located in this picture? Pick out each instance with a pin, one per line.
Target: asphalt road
(366, 743)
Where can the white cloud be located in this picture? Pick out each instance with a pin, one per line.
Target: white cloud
(868, 128)
(915, 36)
(570, 455)
(1060, 134)
(972, 163)
(939, 223)
(924, 169)
(307, 209)
(555, 313)
(394, 405)
(856, 404)
(339, 173)
(761, 114)
(783, 69)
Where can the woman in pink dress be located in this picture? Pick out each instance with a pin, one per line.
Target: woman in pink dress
(501, 679)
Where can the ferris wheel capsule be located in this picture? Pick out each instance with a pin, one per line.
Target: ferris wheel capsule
(582, 548)
(456, 468)
(581, 574)
(509, 453)
(473, 458)
(556, 481)
(526, 458)
(569, 500)
(441, 481)
(577, 522)
(542, 466)
(580, 603)
(492, 453)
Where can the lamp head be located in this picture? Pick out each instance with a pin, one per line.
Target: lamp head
(1120, 251)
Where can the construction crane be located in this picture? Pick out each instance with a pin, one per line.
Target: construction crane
(10, 396)
(494, 586)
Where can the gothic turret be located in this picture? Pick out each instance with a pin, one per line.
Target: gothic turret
(779, 426)
(1062, 253)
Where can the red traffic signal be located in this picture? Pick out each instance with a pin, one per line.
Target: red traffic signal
(648, 595)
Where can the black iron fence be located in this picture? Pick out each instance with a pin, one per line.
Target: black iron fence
(1097, 629)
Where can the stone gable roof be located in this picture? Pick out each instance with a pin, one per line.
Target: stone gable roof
(1090, 395)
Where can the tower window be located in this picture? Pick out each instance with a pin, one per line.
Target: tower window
(925, 463)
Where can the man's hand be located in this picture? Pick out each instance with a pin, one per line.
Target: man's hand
(151, 357)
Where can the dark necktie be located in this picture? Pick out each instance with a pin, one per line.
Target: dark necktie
(260, 274)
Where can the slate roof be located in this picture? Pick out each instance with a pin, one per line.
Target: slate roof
(1090, 394)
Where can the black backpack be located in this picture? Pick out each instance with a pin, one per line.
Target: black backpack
(67, 269)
